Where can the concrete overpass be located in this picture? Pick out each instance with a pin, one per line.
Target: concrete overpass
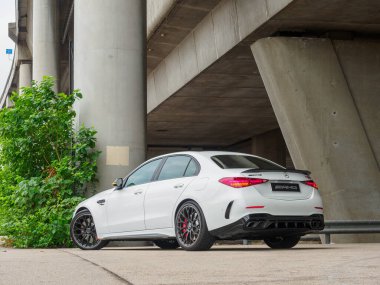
(292, 80)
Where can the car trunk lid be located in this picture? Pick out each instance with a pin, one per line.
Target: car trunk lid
(282, 184)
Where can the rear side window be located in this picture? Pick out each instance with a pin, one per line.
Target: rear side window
(174, 167)
(243, 161)
(192, 169)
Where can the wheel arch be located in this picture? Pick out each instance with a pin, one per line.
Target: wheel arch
(81, 209)
(183, 202)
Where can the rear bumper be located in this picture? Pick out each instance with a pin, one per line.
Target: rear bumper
(258, 226)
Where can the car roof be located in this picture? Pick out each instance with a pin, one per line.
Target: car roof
(204, 153)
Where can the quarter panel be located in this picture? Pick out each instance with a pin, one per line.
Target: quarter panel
(160, 201)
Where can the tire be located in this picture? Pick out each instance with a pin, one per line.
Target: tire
(191, 229)
(282, 242)
(83, 232)
(167, 244)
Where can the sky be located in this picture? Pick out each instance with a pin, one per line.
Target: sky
(7, 15)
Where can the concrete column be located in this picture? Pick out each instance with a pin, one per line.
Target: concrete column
(325, 97)
(45, 39)
(270, 145)
(110, 70)
(8, 102)
(25, 75)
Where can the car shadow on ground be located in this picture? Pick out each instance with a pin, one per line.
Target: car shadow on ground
(251, 248)
(267, 249)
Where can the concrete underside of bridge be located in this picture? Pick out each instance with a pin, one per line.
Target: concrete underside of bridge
(295, 81)
(210, 92)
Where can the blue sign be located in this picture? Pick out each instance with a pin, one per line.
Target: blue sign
(8, 51)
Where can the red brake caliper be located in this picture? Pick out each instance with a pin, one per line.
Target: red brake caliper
(184, 227)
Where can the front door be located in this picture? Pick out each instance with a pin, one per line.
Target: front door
(125, 207)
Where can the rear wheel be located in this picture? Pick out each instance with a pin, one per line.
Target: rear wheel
(167, 244)
(282, 242)
(191, 228)
(83, 232)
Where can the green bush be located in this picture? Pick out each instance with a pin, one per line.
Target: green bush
(46, 166)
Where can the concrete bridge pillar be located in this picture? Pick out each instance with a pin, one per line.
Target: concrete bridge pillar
(110, 70)
(25, 75)
(325, 95)
(45, 39)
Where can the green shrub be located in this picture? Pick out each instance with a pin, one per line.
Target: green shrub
(46, 166)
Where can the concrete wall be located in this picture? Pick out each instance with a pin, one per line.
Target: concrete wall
(325, 97)
(270, 145)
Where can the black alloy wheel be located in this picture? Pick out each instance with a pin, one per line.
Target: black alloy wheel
(83, 232)
(282, 242)
(191, 228)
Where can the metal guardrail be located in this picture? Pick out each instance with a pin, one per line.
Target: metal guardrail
(349, 227)
(343, 227)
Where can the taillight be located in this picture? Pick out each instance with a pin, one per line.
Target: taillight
(240, 182)
(310, 183)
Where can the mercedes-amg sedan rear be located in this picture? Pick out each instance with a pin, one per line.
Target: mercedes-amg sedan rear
(191, 199)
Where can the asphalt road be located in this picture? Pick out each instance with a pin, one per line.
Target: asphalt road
(305, 264)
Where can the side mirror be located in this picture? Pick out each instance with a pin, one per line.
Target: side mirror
(118, 183)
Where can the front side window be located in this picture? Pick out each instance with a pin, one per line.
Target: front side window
(144, 174)
(244, 161)
(174, 167)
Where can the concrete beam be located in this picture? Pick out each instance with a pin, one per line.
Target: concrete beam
(223, 28)
(325, 97)
(12, 31)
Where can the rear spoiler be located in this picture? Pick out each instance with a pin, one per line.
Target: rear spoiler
(306, 172)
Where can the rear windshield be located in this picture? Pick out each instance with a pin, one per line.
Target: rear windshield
(243, 161)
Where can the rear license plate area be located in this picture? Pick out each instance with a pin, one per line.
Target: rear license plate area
(285, 187)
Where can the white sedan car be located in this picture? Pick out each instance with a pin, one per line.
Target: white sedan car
(190, 199)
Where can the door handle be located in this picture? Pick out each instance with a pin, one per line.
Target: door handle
(101, 202)
(178, 186)
(138, 192)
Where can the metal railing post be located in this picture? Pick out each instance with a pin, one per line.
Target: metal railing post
(327, 238)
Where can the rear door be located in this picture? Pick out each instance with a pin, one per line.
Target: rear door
(176, 173)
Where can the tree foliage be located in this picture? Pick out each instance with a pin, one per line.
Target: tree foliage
(46, 166)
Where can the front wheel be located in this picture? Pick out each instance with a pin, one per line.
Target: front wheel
(191, 228)
(282, 242)
(83, 232)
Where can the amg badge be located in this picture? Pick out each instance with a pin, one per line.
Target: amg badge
(287, 187)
